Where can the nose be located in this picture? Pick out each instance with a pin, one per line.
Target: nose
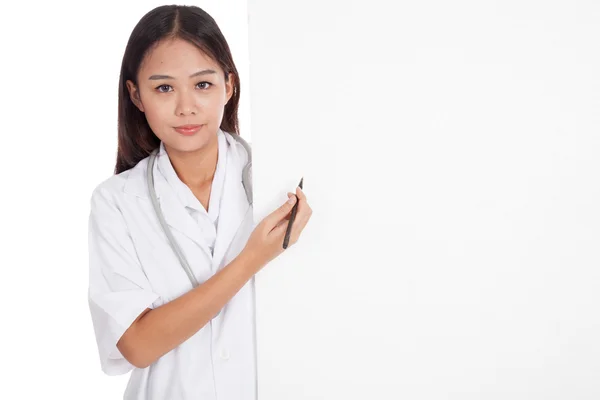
(186, 104)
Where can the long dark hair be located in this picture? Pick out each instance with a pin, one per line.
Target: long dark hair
(136, 140)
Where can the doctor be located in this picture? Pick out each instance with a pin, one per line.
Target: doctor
(179, 93)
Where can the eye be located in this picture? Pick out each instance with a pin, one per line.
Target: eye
(208, 83)
(168, 86)
(161, 86)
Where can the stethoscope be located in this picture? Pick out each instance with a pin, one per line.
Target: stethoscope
(246, 182)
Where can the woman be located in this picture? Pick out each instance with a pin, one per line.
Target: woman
(178, 95)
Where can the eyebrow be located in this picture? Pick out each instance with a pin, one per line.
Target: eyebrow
(204, 72)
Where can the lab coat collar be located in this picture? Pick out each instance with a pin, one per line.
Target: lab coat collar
(233, 210)
(185, 195)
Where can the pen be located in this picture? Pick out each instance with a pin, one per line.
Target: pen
(286, 239)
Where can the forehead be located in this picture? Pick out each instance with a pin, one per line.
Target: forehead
(175, 57)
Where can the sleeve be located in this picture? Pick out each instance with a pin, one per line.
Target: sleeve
(119, 290)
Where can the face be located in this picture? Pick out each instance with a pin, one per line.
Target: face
(179, 85)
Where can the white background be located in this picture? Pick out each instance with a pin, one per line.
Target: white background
(450, 151)
(60, 66)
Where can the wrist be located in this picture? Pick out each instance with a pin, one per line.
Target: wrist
(251, 260)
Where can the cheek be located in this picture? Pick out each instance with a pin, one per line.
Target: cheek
(157, 117)
(214, 109)
(210, 110)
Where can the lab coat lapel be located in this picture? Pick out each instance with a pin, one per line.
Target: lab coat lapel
(234, 209)
(178, 218)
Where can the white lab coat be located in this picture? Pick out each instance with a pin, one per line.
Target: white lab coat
(132, 267)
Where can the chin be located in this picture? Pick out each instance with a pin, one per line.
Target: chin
(188, 144)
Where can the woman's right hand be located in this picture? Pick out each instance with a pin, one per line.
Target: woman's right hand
(266, 241)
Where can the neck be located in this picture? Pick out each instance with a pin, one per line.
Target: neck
(195, 168)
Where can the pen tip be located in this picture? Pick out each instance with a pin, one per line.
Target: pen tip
(301, 181)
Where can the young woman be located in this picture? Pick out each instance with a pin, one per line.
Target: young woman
(184, 334)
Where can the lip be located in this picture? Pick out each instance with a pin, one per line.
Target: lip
(188, 129)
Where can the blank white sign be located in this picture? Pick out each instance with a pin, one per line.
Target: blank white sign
(450, 154)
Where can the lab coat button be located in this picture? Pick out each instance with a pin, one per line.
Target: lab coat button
(224, 354)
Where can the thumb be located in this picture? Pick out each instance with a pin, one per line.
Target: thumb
(281, 212)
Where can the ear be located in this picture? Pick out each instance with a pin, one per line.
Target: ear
(134, 95)
(229, 87)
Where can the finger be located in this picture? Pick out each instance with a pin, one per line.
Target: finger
(283, 222)
(302, 218)
(303, 206)
(288, 215)
(278, 233)
(280, 230)
(300, 193)
(276, 216)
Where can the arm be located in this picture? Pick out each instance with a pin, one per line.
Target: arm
(157, 331)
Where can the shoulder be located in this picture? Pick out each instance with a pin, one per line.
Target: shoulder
(240, 148)
(116, 188)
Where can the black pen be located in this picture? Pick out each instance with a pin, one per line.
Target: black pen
(286, 239)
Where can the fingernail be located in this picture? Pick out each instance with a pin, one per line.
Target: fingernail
(292, 199)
